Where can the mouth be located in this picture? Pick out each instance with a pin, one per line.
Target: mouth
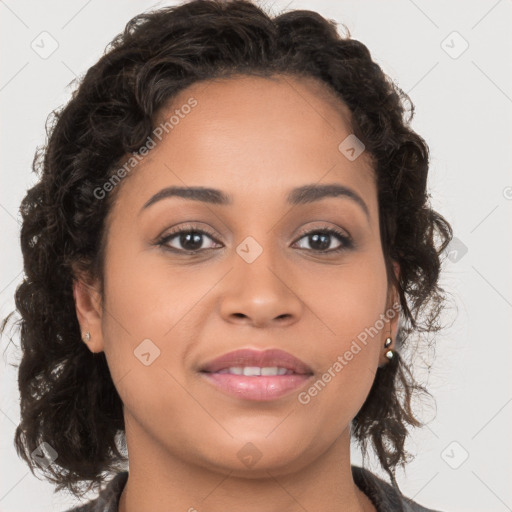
(253, 363)
(257, 375)
(257, 371)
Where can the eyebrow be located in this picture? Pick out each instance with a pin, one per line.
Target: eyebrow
(297, 196)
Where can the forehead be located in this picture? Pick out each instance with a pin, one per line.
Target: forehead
(284, 107)
(244, 94)
(249, 133)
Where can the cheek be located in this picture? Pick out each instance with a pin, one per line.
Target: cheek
(349, 356)
(139, 309)
(146, 297)
(349, 301)
(335, 397)
(350, 307)
(149, 318)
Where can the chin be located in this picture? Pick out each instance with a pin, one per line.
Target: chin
(258, 456)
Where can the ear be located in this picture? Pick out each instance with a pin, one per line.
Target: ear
(88, 305)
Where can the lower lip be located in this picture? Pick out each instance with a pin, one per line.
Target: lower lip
(259, 388)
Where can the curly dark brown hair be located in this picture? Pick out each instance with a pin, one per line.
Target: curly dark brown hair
(68, 399)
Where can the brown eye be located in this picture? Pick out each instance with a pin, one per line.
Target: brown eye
(186, 240)
(320, 240)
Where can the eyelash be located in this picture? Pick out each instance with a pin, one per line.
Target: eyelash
(346, 241)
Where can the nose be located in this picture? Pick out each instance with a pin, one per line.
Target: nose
(261, 294)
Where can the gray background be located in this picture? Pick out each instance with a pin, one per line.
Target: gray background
(463, 106)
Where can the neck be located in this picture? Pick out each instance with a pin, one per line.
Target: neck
(159, 480)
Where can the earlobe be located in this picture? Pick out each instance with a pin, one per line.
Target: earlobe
(394, 306)
(393, 295)
(89, 313)
(396, 268)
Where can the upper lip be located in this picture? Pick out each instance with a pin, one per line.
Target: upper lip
(261, 358)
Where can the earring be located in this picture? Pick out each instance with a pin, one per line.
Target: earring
(389, 354)
(87, 336)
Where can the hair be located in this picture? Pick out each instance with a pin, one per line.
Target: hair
(68, 398)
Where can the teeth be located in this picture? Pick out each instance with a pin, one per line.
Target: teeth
(274, 370)
(253, 371)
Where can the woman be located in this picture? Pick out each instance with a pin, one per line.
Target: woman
(227, 250)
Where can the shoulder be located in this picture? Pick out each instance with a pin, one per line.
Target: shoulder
(385, 496)
(108, 499)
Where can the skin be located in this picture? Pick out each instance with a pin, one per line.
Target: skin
(255, 139)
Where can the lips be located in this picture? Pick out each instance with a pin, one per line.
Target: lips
(259, 376)
(250, 358)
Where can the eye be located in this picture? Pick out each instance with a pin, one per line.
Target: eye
(320, 240)
(190, 240)
(187, 240)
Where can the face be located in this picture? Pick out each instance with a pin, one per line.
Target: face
(262, 270)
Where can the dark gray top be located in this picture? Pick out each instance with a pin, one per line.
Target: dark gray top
(383, 495)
